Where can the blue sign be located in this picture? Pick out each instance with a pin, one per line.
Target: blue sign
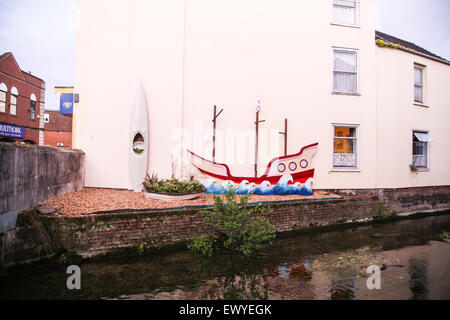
(66, 103)
(9, 130)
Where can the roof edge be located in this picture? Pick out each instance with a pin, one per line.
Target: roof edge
(404, 45)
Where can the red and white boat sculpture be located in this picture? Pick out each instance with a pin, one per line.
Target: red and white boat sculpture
(297, 167)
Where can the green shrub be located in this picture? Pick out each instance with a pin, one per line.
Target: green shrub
(241, 228)
(140, 249)
(204, 245)
(173, 185)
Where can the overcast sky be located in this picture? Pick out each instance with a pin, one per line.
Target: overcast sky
(41, 33)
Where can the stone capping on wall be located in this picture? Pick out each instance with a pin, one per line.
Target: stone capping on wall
(31, 175)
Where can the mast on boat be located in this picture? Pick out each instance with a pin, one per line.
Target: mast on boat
(285, 136)
(258, 108)
(214, 120)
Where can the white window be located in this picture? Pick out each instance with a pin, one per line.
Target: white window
(3, 91)
(13, 103)
(420, 149)
(345, 147)
(345, 71)
(346, 12)
(33, 107)
(418, 84)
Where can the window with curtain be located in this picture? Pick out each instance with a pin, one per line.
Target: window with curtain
(33, 107)
(13, 103)
(420, 149)
(345, 147)
(418, 84)
(3, 91)
(346, 12)
(345, 71)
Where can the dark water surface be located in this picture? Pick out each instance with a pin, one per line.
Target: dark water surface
(329, 265)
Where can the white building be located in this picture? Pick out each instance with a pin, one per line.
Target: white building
(374, 109)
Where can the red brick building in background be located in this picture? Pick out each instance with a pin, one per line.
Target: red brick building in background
(22, 99)
(58, 129)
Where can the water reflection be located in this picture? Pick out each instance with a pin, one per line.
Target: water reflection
(315, 266)
(418, 279)
(343, 289)
(239, 287)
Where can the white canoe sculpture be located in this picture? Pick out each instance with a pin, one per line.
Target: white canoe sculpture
(138, 148)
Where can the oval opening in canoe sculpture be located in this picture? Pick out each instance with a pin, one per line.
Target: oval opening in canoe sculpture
(138, 144)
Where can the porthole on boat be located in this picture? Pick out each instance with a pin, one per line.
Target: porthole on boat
(303, 163)
(281, 167)
(138, 144)
(292, 166)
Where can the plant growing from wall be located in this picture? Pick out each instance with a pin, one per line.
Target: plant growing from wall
(385, 44)
(413, 168)
(382, 214)
(238, 227)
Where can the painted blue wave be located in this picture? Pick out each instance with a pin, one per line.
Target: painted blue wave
(281, 188)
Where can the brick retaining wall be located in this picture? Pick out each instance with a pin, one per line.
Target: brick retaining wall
(406, 199)
(98, 234)
(40, 235)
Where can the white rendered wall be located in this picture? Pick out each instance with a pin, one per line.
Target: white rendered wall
(119, 43)
(194, 54)
(398, 117)
(280, 51)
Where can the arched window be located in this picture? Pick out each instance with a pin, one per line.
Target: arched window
(33, 107)
(13, 103)
(3, 91)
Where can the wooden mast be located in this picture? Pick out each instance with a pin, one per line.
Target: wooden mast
(214, 132)
(256, 142)
(285, 136)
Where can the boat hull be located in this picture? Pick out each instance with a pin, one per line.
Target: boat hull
(292, 174)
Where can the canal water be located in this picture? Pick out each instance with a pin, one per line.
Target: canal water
(330, 265)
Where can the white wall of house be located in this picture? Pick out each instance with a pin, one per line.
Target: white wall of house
(194, 54)
(398, 116)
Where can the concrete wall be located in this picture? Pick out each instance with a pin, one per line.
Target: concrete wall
(30, 175)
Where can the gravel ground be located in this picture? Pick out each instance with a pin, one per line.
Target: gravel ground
(91, 200)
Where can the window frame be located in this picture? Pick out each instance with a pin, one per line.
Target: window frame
(346, 50)
(357, 7)
(33, 107)
(356, 168)
(5, 87)
(422, 86)
(427, 151)
(15, 94)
